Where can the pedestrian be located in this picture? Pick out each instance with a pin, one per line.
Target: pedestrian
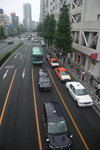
(91, 80)
(60, 55)
(98, 89)
(69, 61)
(82, 75)
(78, 71)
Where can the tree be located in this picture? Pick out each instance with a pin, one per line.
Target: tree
(63, 37)
(40, 29)
(2, 33)
(47, 29)
(51, 30)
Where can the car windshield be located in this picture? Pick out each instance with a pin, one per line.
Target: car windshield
(63, 73)
(80, 92)
(57, 127)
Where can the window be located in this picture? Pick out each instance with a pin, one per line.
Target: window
(57, 127)
(73, 89)
(77, 3)
(71, 86)
(76, 18)
(80, 92)
(89, 39)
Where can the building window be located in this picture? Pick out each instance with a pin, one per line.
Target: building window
(89, 39)
(76, 18)
(77, 3)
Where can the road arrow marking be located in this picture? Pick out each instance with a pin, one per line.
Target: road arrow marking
(11, 67)
(7, 67)
(15, 57)
(21, 56)
(23, 74)
(5, 74)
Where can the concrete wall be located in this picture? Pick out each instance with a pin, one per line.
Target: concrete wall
(92, 8)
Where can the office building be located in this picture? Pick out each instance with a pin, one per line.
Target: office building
(85, 19)
(27, 14)
(4, 19)
(14, 20)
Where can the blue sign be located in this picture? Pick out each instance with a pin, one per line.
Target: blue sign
(9, 26)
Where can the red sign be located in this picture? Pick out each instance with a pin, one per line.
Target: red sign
(94, 56)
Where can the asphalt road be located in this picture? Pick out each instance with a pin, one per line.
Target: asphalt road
(21, 125)
(5, 47)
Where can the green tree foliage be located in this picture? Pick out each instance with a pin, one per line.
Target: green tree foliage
(63, 38)
(2, 33)
(52, 24)
(47, 29)
(40, 29)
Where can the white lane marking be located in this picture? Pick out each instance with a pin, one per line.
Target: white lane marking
(11, 56)
(23, 74)
(21, 56)
(5, 74)
(7, 67)
(15, 57)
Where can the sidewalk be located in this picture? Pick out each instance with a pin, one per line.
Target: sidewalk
(91, 89)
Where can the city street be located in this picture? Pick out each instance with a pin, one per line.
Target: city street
(21, 123)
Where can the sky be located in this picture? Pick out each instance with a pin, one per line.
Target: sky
(10, 6)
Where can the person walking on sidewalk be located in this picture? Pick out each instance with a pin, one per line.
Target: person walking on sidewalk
(78, 71)
(98, 89)
(91, 80)
(82, 75)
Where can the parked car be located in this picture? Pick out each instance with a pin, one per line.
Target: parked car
(44, 82)
(53, 62)
(62, 74)
(48, 55)
(79, 93)
(57, 134)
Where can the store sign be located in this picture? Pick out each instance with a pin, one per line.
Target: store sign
(94, 56)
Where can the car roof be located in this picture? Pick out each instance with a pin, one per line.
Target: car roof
(77, 85)
(53, 111)
(61, 69)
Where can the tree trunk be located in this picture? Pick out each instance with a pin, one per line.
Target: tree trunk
(64, 59)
